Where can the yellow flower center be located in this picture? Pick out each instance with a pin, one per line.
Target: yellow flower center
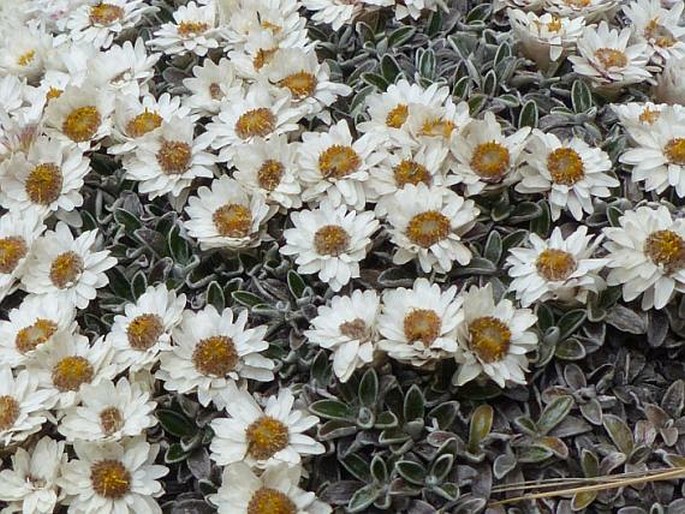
(658, 34)
(437, 127)
(9, 412)
(331, 240)
(174, 157)
(301, 84)
(70, 372)
(26, 58)
(105, 14)
(145, 122)
(215, 91)
(577, 3)
(270, 501)
(82, 123)
(355, 329)
(44, 183)
(565, 166)
(490, 160)
(649, 116)
(269, 174)
(258, 122)
(12, 250)
(428, 228)
(66, 269)
(233, 220)
(31, 337)
(411, 172)
(675, 151)
(110, 479)
(490, 338)
(265, 437)
(144, 331)
(216, 356)
(422, 325)
(397, 116)
(263, 57)
(554, 25)
(611, 58)
(338, 161)
(111, 420)
(191, 28)
(266, 24)
(53, 93)
(555, 265)
(666, 248)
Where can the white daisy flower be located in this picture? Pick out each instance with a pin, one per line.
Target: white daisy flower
(18, 233)
(485, 156)
(32, 325)
(347, 327)
(25, 50)
(270, 168)
(127, 69)
(638, 117)
(23, 405)
(226, 216)
(80, 114)
(109, 412)
(135, 117)
(591, 10)
(12, 92)
(194, 30)
(274, 491)
(659, 27)
(299, 72)
(46, 178)
(211, 351)
(30, 483)
(426, 122)
(571, 173)
(262, 438)
(493, 339)
(116, 478)
(66, 268)
(244, 19)
(659, 159)
(335, 13)
(69, 362)
(607, 60)
(647, 255)
(210, 85)
(423, 164)
(334, 166)
(100, 22)
(144, 330)
(412, 8)
(330, 241)
(389, 111)
(427, 224)
(546, 38)
(560, 268)
(246, 117)
(417, 325)
(167, 159)
(670, 87)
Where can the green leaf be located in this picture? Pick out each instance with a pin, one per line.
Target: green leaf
(138, 284)
(554, 413)
(480, 13)
(570, 350)
(503, 51)
(582, 500)
(368, 388)
(541, 224)
(386, 419)
(389, 68)
(119, 284)
(480, 426)
(489, 86)
(442, 466)
(174, 454)
(411, 471)
(529, 115)
(332, 409)
(533, 454)
(175, 424)
(357, 467)
(516, 238)
(215, 296)
(247, 299)
(379, 471)
(178, 247)
(525, 211)
(375, 80)
(493, 247)
(590, 463)
(414, 404)
(363, 498)
(570, 322)
(401, 35)
(476, 102)
(477, 266)
(461, 87)
(581, 97)
(336, 428)
(545, 317)
(296, 284)
(427, 64)
(321, 369)
(619, 432)
(129, 221)
(444, 414)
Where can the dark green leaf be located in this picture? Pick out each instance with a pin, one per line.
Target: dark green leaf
(375, 80)
(554, 413)
(332, 409)
(401, 35)
(461, 88)
(413, 404)
(411, 471)
(335, 428)
(389, 68)
(444, 414)
(570, 350)
(215, 296)
(363, 498)
(493, 247)
(619, 432)
(379, 471)
(525, 211)
(368, 388)
(175, 424)
(357, 467)
(570, 322)
(541, 224)
(174, 454)
(476, 103)
(479, 13)
(247, 299)
(119, 284)
(129, 221)
(581, 97)
(442, 466)
(296, 284)
(529, 115)
(533, 454)
(178, 247)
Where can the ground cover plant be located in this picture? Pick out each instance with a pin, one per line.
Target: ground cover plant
(338, 256)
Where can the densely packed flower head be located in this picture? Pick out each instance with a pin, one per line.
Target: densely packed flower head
(254, 253)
